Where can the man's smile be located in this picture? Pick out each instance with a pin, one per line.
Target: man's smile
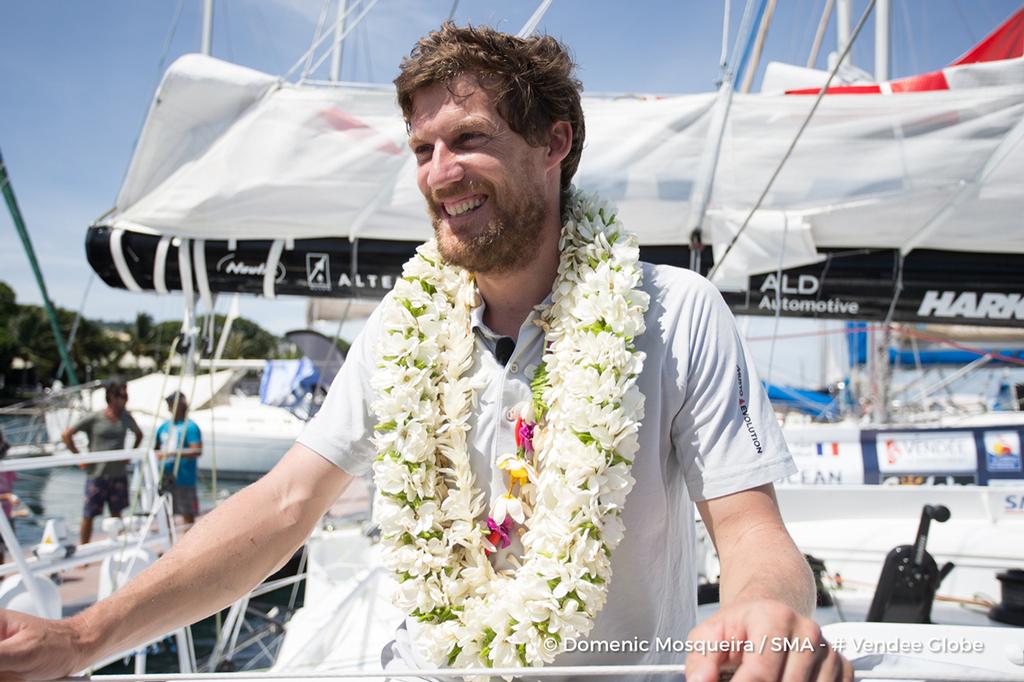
(461, 209)
(463, 205)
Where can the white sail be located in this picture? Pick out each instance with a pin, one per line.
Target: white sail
(229, 153)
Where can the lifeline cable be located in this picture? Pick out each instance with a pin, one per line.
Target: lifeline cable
(799, 133)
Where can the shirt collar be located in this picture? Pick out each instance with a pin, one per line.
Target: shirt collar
(477, 324)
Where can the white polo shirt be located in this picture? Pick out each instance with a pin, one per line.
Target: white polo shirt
(708, 431)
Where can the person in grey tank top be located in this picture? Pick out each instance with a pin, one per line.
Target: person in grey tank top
(107, 482)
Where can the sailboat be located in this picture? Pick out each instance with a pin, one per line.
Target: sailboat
(899, 204)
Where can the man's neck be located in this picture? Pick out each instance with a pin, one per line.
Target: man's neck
(510, 296)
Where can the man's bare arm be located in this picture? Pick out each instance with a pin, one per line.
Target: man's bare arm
(69, 441)
(767, 591)
(227, 553)
(758, 558)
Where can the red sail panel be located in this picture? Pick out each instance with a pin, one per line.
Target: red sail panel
(935, 80)
(1006, 42)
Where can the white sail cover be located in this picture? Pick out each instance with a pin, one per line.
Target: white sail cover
(229, 153)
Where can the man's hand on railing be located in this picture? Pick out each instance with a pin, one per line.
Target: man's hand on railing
(36, 648)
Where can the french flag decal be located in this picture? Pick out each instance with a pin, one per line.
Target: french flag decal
(830, 448)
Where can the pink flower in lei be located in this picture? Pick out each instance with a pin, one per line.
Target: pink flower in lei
(524, 435)
(500, 532)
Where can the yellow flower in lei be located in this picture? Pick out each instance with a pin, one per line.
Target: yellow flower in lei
(519, 470)
(432, 518)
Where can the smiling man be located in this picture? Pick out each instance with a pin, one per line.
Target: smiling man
(541, 412)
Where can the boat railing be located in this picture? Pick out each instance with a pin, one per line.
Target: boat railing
(32, 436)
(70, 459)
(228, 644)
(154, 534)
(669, 671)
(50, 397)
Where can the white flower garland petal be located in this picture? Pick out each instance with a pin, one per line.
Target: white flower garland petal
(588, 411)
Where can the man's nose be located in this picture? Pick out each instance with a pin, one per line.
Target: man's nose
(445, 168)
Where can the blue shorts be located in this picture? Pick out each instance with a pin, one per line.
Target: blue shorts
(111, 491)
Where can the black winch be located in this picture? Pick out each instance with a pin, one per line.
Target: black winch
(1011, 609)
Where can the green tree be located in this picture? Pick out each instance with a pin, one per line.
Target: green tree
(95, 351)
(8, 343)
(142, 331)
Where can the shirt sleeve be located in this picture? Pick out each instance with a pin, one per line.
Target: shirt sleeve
(340, 432)
(726, 432)
(129, 421)
(193, 436)
(161, 436)
(84, 424)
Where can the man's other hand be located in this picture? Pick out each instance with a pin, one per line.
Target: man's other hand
(763, 640)
(36, 648)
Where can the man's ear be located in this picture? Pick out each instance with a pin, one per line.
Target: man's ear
(559, 143)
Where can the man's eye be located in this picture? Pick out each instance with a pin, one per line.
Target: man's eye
(423, 151)
(470, 138)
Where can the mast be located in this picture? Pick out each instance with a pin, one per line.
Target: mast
(883, 14)
(843, 28)
(207, 44)
(339, 35)
(762, 31)
(19, 225)
(819, 35)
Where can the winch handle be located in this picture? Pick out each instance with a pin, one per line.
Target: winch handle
(939, 513)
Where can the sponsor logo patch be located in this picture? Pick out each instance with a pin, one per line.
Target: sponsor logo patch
(1002, 451)
(365, 281)
(1014, 504)
(972, 305)
(231, 265)
(933, 479)
(745, 412)
(931, 452)
(318, 271)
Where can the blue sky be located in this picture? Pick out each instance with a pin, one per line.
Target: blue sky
(76, 79)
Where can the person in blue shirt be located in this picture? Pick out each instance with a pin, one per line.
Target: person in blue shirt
(179, 444)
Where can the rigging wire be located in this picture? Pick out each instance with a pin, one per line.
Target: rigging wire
(531, 24)
(327, 34)
(799, 133)
(778, 297)
(819, 35)
(367, 57)
(724, 56)
(908, 30)
(312, 48)
(348, 29)
(78, 319)
(966, 24)
(700, 194)
(229, 46)
(318, 32)
(169, 39)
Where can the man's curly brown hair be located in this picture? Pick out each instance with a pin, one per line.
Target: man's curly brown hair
(532, 80)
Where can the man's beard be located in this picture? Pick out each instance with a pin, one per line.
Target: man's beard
(507, 242)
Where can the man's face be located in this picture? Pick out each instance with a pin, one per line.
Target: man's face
(117, 401)
(483, 183)
(179, 410)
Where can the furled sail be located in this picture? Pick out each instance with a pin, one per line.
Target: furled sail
(903, 205)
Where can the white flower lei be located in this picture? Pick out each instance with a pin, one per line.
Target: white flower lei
(589, 410)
